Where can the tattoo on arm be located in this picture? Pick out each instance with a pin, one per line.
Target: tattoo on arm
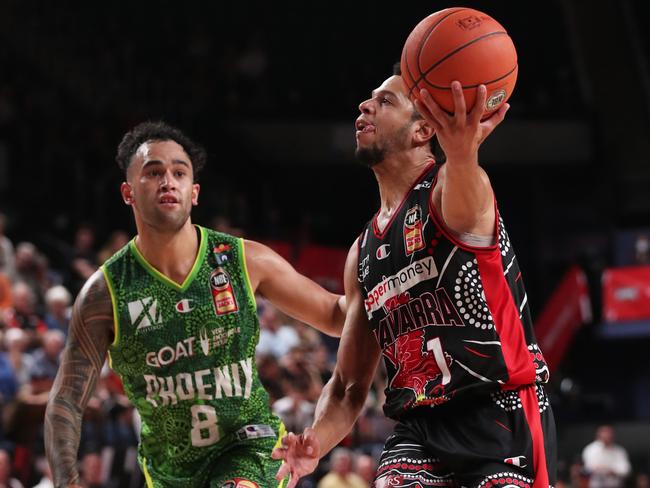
(91, 329)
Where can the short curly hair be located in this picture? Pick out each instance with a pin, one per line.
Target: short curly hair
(158, 131)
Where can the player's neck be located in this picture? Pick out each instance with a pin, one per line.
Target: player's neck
(173, 254)
(395, 177)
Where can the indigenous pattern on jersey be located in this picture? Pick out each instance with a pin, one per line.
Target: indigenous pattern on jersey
(185, 353)
(450, 318)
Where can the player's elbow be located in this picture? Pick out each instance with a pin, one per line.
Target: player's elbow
(356, 395)
(333, 325)
(350, 391)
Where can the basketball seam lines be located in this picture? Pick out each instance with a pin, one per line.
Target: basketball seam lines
(419, 50)
(426, 38)
(473, 86)
(460, 48)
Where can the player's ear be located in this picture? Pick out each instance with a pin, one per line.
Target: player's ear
(195, 194)
(423, 131)
(127, 193)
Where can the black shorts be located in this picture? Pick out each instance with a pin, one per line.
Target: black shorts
(504, 439)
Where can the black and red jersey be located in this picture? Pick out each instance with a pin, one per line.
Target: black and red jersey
(451, 319)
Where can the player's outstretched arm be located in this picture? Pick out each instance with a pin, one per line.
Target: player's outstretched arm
(344, 395)
(463, 195)
(273, 277)
(91, 330)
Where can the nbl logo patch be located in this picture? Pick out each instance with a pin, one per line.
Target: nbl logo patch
(413, 240)
(223, 295)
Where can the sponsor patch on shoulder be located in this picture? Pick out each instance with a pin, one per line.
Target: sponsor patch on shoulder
(222, 253)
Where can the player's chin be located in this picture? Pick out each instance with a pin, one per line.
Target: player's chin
(172, 220)
(169, 206)
(362, 136)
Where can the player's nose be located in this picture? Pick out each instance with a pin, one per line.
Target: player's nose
(167, 181)
(366, 106)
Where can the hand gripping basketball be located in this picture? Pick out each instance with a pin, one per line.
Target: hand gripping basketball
(460, 134)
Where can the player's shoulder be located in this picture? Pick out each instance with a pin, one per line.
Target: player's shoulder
(95, 292)
(256, 249)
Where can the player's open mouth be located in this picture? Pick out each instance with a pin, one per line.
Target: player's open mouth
(363, 126)
(168, 200)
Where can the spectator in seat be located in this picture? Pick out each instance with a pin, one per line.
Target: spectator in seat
(295, 409)
(606, 462)
(23, 314)
(16, 342)
(341, 474)
(366, 468)
(276, 338)
(57, 301)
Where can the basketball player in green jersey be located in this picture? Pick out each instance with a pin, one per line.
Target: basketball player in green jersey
(175, 311)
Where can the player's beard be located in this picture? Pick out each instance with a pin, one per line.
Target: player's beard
(377, 152)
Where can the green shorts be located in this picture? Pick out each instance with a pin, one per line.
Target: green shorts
(246, 464)
(246, 467)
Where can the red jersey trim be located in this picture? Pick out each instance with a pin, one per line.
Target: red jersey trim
(375, 228)
(530, 405)
(505, 313)
(454, 240)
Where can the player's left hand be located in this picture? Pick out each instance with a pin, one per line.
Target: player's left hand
(460, 134)
(300, 454)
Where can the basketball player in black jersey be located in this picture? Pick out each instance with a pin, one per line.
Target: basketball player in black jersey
(433, 286)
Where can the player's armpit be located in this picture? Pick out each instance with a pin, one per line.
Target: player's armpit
(91, 331)
(296, 295)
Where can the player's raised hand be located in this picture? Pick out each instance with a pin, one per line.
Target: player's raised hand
(462, 133)
(300, 454)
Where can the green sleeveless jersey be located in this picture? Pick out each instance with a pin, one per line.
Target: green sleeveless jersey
(186, 356)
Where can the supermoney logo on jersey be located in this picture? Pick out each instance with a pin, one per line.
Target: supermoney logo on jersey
(400, 282)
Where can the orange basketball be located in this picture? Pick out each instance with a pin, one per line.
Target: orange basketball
(460, 44)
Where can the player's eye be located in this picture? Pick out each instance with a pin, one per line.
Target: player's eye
(384, 101)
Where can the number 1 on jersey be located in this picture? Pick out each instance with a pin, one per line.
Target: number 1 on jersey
(436, 346)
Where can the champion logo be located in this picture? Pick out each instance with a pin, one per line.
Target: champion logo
(383, 251)
(144, 312)
(185, 305)
(516, 461)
